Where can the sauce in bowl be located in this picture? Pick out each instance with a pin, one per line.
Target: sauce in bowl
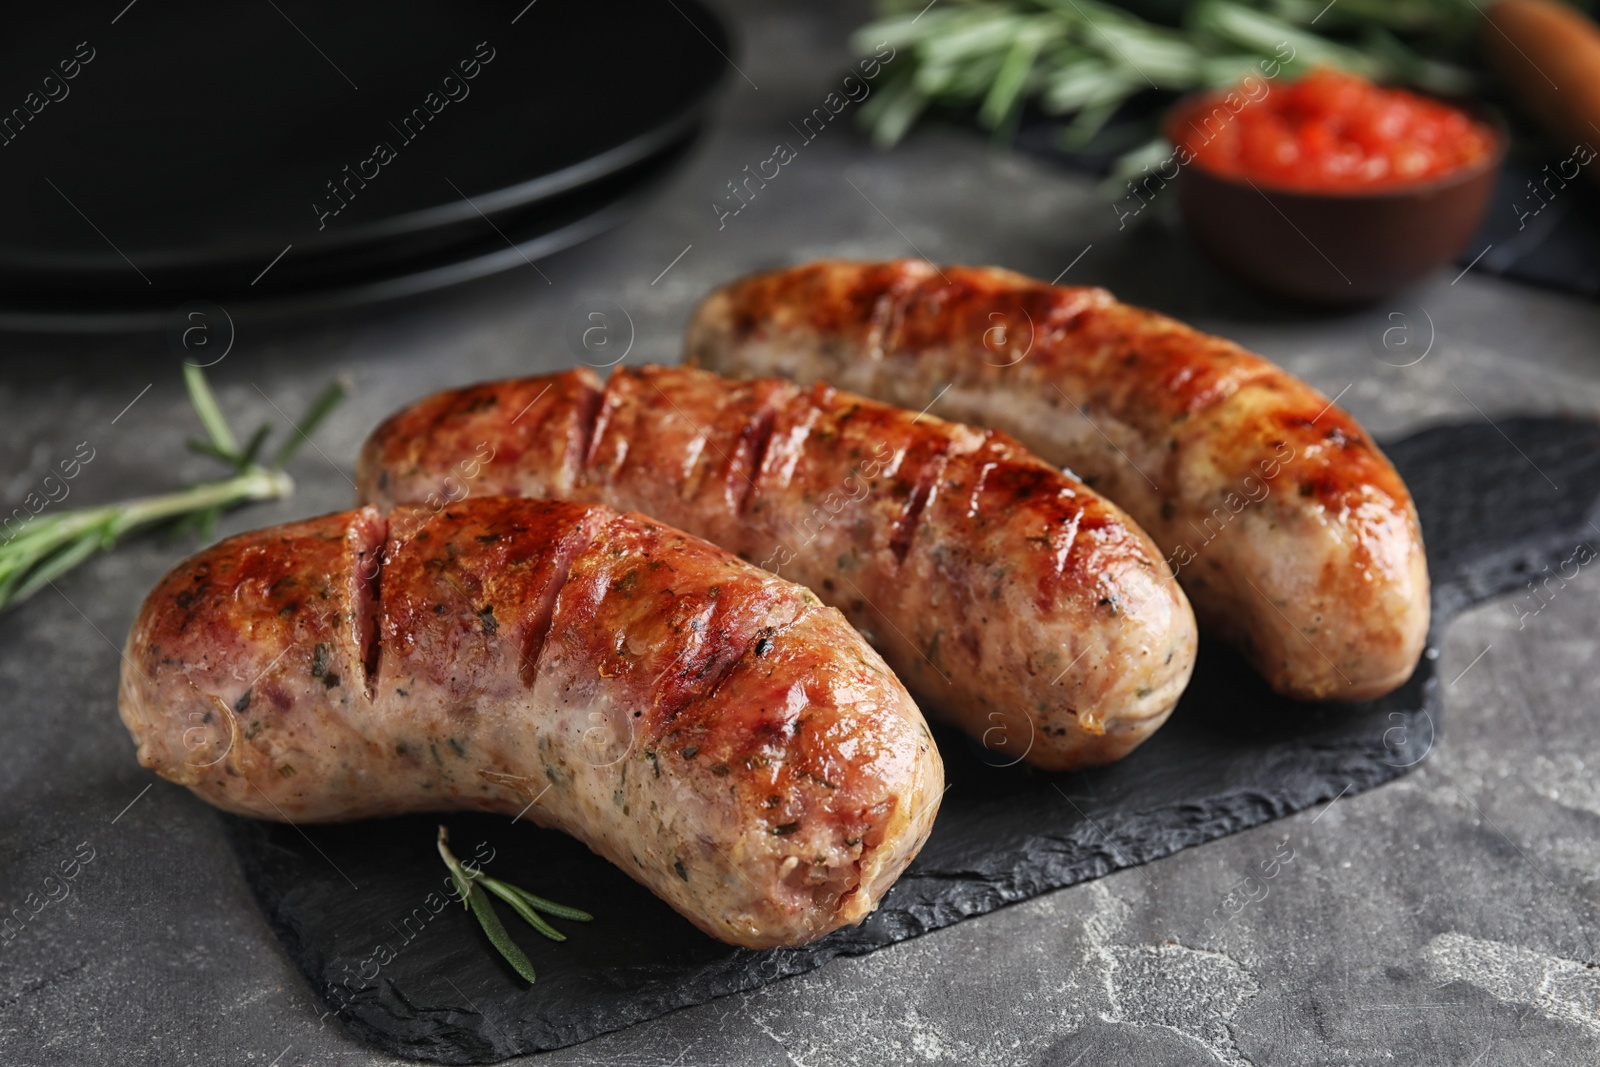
(1334, 132)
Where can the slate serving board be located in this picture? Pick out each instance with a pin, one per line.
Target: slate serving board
(351, 904)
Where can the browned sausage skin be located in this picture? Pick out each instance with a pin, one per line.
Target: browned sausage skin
(1011, 599)
(1289, 529)
(708, 727)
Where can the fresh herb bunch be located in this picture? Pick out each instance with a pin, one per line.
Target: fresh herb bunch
(1086, 58)
(524, 903)
(50, 545)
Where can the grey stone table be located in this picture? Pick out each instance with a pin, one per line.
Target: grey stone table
(1443, 919)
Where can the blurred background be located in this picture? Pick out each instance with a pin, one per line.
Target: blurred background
(386, 200)
(229, 156)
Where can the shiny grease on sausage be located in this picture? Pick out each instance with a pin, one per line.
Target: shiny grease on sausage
(1012, 599)
(1292, 533)
(709, 728)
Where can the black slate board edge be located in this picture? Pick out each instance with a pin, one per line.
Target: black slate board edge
(1456, 471)
(1510, 571)
(458, 1045)
(1110, 851)
(1461, 583)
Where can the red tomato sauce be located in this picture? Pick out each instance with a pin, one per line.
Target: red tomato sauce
(1332, 131)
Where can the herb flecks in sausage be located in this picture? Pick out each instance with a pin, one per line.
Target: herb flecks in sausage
(963, 558)
(1241, 472)
(514, 716)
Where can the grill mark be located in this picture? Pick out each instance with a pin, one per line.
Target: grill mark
(665, 712)
(899, 296)
(590, 424)
(690, 473)
(905, 524)
(798, 424)
(724, 669)
(369, 537)
(597, 421)
(541, 620)
(981, 482)
(754, 441)
(881, 321)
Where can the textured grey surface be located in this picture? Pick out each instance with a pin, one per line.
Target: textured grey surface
(1445, 918)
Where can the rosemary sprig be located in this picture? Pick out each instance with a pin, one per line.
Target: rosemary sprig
(50, 544)
(1085, 58)
(525, 904)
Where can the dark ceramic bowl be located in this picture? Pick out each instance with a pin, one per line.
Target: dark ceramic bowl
(1332, 247)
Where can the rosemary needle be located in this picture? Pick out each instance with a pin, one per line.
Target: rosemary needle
(525, 904)
(43, 547)
(520, 906)
(1085, 58)
(485, 914)
(549, 907)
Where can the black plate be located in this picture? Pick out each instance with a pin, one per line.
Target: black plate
(198, 139)
(1233, 756)
(418, 264)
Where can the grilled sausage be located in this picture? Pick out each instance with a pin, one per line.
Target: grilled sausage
(708, 727)
(1011, 599)
(1291, 532)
